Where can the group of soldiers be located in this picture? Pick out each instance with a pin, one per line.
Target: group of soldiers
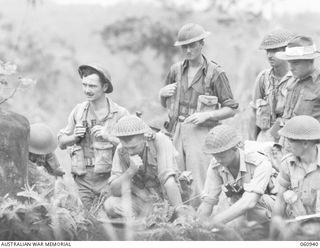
(193, 158)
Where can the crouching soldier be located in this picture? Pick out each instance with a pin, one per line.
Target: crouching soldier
(299, 184)
(143, 172)
(244, 177)
(88, 134)
(42, 144)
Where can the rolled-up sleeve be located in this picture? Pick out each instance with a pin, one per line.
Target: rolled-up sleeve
(166, 158)
(68, 130)
(261, 178)
(222, 89)
(212, 186)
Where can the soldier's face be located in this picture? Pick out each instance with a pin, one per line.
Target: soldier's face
(192, 51)
(273, 61)
(300, 68)
(297, 147)
(93, 88)
(133, 144)
(227, 157)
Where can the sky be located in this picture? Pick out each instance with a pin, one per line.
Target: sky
(280, 6)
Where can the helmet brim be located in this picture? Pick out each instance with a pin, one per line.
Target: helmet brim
(200, 37)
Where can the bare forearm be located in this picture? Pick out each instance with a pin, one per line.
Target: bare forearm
(173, 192)
(122, 183)
(247, 201)
(221, 114)
(66, 140)
(253, 129)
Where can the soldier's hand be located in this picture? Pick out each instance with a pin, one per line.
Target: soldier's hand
(79, 131)
(135, 163)
(168, 90)
(97, 131)
(198, 118)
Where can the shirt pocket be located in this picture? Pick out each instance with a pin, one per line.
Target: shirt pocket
(305, 104)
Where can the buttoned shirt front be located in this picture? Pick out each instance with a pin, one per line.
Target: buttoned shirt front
(305, 182)
(254, 175)
(190, 91)
(303, 97)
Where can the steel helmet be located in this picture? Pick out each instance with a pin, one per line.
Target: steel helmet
(130, 125)
(189, 33)
(301, 127)
(276, 39)
(104, 74)
(42, 139)
(221, 138)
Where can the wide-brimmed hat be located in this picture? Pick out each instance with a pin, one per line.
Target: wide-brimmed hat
(221, 138)
(42, 139)
(301, 127)
(299, 48)
(103, 73)
(189, 33)
(276, 39)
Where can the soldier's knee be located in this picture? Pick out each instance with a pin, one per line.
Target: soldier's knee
(110, 206)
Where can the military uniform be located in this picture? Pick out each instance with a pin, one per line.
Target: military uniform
(304, 183)
(159, 164)
(254, 176)
(268, 101)
(188, 138)
(303, 97)
(91, 158)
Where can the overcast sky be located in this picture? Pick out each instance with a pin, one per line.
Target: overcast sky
(288, 6)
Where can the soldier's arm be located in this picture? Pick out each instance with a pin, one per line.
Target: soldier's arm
(222, 89)
(253, 191)
(169, 80)
(173, 191)
(258, 93)
(211, 191)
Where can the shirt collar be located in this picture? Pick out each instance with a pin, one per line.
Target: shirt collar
(203, 67)
(113, 106)
(283, 79)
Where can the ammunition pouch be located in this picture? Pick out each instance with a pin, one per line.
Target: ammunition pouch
(103, 152)
(78, 164)
(263, 114)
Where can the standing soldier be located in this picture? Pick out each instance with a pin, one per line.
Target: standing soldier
(303, 97)
(88, 134)
(197, 95)
(270, 89)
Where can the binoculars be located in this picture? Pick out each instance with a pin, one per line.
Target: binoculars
(233, 189)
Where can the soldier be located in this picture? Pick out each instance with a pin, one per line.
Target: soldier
(195, 88)
(42, 145)
(88, 134)
(303, 97)
(299, 185)
(244, 177)
(270, 89)
(144, 170)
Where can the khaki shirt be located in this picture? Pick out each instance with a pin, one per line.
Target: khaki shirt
(161, 159)
(305, 183)
(254, 176)
(270, 88)
(303, 97)
(191, 91)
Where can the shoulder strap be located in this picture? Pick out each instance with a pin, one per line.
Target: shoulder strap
(175, 99)
(211, 76)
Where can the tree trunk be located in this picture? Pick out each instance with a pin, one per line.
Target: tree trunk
(14, 150)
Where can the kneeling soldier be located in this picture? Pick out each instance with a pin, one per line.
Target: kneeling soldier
(299, 185)
(244, 177)
(143, 171)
